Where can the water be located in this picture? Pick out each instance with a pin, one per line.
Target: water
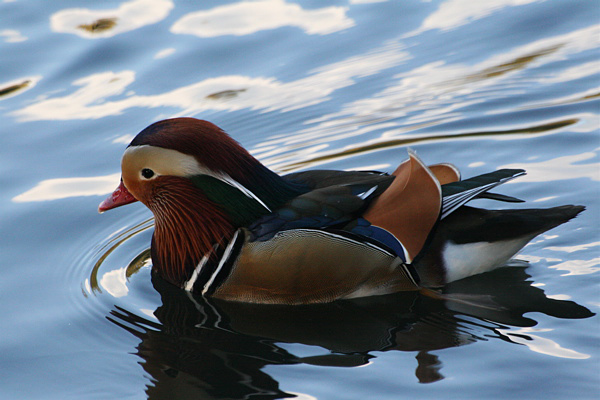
(342, 85)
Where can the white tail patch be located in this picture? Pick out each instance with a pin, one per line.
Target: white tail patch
(463, 260)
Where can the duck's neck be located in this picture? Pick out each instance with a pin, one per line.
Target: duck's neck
(254, 192)
(187, 226)
(194, 214)
(272, 188)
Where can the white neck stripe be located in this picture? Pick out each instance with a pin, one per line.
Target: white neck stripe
(189, 285)
(221, 263)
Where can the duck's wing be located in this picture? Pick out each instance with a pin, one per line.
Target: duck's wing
(321, 178)
(458, 193)
(323, 207)
(411, 205)
(445, 172)
(316, 179)
(499, 197)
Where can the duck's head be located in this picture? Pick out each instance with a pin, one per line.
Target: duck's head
(174, 149)
(199, 183)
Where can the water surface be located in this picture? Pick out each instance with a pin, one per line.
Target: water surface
(337, 84)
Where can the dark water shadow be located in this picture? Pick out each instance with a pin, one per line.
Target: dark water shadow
(203, 348)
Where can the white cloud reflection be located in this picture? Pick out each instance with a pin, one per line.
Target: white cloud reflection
(565, 167)
(541, 344)
(433, 89)
(164, 53)
(427, 94)
(573, 73)
(578, 267)
(127, 17)
(438, 92)
(91, 100)
(248, 17)
(12, 36)
(115, 282)
(60, 188)
(572, 249)
(123, 139)
(454, 13)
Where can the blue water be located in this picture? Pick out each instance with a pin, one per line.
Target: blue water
(341, 85)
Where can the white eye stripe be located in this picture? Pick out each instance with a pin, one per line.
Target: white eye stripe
(164, 162)
(161, 161)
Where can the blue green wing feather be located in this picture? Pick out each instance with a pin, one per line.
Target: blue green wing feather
(323, 208)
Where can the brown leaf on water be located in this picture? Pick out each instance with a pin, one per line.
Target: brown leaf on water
(100, 25)
(5, 91)
(225, 94)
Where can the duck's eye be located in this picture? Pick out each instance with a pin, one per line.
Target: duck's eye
(147, 173)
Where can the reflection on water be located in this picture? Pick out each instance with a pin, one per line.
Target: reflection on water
(60, 188)
(440, 92)
(561, 168)
(579, 267)
(10, 89)
(12, 36)
(219, 349)
(541, 345)
(115, 281)
(13, 88)
(91, 101)
(423, 94)
(429, 95)
(454, 13)
(103, 23)
(411, 140)
(233, 19)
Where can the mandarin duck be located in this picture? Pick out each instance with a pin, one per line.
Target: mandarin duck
(226, 226)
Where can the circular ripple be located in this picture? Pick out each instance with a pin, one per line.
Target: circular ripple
(112, 271)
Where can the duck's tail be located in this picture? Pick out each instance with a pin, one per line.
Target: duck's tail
(446, 240)
(472, 240)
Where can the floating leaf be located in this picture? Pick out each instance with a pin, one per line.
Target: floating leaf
(13, 88)
(100, 25)
(225, 94)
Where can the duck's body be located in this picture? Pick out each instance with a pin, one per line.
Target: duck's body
(228, 227)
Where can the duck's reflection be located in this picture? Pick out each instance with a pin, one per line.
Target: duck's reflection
(216, 349)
